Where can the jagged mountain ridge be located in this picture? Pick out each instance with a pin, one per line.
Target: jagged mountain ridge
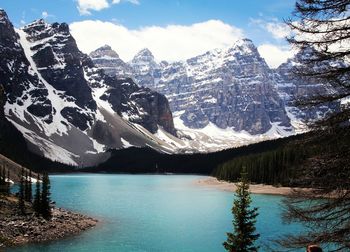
(66, 108)
(229, 88)
(70, 110)
(293, 87)
(232, 89)
(108, 60)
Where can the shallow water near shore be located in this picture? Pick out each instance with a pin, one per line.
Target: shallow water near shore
(155, 213)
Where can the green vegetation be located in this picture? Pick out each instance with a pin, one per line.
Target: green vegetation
(4, 181)
(21, 194)
(285, 165)
(45, 208)
(244, 236)
(37, 197)
(28, 186)
(41, 204)
(275, 167)
(324, 26)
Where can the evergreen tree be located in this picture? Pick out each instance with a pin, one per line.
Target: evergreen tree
(244, 236)
(324, 26)
(37, 197)
(21, 204)
(45, 208)
(28, 187)
(2, 179)
(8, 182)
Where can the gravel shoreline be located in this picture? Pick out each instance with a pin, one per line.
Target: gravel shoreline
(17, 230)
(253, 188)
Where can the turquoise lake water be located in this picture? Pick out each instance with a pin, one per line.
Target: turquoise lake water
(155, 213)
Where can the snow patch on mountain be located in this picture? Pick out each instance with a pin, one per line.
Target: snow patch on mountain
(229, 97)
(56, 126)
(126, 144)
(48, 148)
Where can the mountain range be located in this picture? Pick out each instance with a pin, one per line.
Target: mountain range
(73, 108)
(225, 97)
(67, 109)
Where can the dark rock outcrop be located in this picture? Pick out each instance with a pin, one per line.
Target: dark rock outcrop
(54, 94)
(15, 75)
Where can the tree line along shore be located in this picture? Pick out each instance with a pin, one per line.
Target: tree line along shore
(27, 217)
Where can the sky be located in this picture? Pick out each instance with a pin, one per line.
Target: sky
(172, 29)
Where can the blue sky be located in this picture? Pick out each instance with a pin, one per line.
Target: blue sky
(259, 20)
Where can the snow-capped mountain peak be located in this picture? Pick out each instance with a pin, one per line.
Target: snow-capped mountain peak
(108, 60)
(38, 22)
(66, 108)
(229, 90)
(144, 68)
(104, 51)
(143, 55)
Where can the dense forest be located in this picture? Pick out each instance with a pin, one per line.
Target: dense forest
(284, 165)
(269, 167)
(146, 160)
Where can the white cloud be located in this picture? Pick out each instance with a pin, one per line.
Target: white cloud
(45, 14)
(172, 42)
(85, 6)
(276, 28)
(275, 55)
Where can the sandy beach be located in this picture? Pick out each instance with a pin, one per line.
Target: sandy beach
(253, 188)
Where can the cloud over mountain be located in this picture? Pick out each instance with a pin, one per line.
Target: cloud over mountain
(85, 6)
(172, 42)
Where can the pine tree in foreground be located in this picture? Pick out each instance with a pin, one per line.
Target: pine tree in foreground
(2, 180)
(28, 187)
(45, 208)
(8, 183)
(324, 26)
(21, 204)
(37, 197)
(244, 236)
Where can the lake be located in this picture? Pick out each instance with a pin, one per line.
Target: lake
(155, 213)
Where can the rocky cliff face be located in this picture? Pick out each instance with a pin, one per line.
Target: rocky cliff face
(230, 97)
(293, 87)
(230, 88)
(108, 60)
(66, 108)
(145, 69)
